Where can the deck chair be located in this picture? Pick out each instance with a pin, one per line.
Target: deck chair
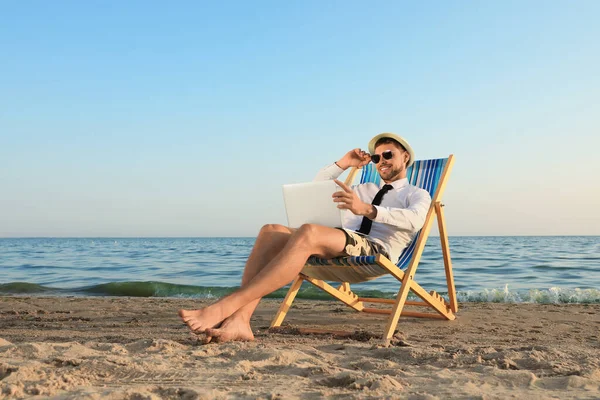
(431, 175)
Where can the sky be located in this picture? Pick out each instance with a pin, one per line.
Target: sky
(141, 118)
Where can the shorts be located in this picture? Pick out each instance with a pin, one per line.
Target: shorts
(358, 244)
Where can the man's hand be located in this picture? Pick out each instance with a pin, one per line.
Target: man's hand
(348, 200)
(354, 158)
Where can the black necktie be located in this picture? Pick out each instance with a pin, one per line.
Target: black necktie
(365, 226)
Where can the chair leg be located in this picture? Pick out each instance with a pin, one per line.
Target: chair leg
(343, 293)
(447, 260)
(397, 309)
(407, 279)
(432, 299)
(287, 301)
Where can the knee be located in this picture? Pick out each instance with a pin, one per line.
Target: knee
(272, 228)
(308, 233)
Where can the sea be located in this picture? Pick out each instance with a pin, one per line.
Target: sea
(502, 269)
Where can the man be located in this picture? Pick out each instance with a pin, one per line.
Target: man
(381, 221)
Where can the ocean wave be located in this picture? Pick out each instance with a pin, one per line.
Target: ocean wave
(553, 295)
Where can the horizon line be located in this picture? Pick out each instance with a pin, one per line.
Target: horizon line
(249, 237)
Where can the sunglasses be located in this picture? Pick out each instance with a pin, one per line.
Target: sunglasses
(388, 154)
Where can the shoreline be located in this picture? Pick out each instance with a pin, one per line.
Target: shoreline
(170, 291)
(121, 347)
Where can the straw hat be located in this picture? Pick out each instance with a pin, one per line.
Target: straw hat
(397, 138)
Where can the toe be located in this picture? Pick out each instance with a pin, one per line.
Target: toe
(197, 327)
(213, 332)
(216, 335)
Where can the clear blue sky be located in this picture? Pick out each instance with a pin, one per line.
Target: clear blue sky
(142, 119)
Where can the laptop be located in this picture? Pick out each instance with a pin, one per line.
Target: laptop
(311, 203)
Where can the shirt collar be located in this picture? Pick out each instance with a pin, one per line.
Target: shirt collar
(400, 183)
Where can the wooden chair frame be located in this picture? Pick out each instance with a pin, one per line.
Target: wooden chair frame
(443, 309)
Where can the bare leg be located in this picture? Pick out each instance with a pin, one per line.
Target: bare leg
(308, 240)
(237, 326)
(270, 241)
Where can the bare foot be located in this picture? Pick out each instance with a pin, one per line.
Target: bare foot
(200, 320)
(232, 329)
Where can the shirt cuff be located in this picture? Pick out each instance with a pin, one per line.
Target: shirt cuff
(334, 167)
(381, 214)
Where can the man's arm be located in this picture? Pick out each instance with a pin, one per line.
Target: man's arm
(353, 158)
(409, 219)
(329, 172)
(348, 200)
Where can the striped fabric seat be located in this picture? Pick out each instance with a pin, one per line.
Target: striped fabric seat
(425, 174)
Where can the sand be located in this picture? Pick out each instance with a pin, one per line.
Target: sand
(136, 348)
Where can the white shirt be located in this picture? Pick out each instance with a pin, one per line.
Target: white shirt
(399, 217)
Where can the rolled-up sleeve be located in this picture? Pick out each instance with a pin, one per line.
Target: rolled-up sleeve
(409, 219)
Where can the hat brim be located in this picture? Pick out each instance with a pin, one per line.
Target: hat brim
(397, 138)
